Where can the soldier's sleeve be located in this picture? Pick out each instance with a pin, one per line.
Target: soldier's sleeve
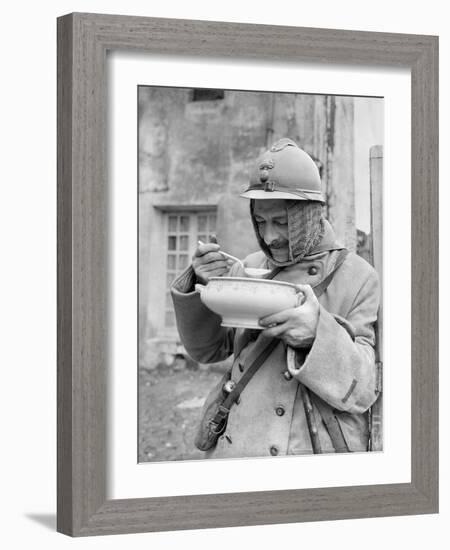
(199, 328)
(340, 365)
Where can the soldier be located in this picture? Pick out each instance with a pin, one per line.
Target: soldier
(311, 373)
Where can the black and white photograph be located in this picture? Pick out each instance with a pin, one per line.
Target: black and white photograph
(221, 283)
(260, 273)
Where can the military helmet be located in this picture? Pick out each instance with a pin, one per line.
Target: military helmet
(285, 172)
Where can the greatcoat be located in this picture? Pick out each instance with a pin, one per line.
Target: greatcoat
(339, 367)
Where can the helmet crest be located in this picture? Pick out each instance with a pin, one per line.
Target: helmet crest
(264, 168)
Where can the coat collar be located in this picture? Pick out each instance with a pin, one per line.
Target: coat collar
(328, 241)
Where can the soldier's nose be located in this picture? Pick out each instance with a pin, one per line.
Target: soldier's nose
(269, 235)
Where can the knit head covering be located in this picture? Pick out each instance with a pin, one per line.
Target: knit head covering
(305, 230)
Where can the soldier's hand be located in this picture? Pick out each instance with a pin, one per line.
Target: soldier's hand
(295, 326)
(207, 262)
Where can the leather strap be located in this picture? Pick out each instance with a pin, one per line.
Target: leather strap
(310, 419)
(232, 397)
(272, 273)
(246, 377)
(331, 423)
(320, 288)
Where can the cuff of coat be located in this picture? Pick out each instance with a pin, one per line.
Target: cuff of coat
(319, 368)
(185, 282)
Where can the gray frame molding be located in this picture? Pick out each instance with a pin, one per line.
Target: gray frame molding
(83, 40)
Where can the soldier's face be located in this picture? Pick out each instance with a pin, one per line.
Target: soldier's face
(272, 220)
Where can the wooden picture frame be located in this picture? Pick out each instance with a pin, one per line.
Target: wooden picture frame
(83, 41)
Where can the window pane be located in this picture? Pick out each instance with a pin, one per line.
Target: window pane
(212, 223)
(183, 260)
(184, 224)
(171, 261)
(202, 223)
(203, 238)
(172, 243)
(173, 224)
(170, 278)
(184, 242)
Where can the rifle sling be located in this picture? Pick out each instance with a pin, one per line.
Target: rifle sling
(331, 423)
(232, 397)
(320, 288)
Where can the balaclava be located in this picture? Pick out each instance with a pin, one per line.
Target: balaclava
(305, 230)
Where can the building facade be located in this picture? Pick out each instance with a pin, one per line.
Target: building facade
(196, 148)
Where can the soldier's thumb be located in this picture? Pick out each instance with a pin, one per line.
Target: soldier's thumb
(306, 290)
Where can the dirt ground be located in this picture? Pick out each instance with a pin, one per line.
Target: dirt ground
(170, 401)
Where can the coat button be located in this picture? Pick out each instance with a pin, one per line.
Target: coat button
(280, 411)
(273, 450)
(287, 375)
(313, 270)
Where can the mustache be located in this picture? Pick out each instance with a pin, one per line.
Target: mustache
(279, 243)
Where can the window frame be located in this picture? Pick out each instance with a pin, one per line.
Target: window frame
(194, 234)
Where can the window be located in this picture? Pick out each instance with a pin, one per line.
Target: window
(206, 94)
(184, 230)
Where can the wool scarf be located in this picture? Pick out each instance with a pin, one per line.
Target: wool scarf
(305, 230)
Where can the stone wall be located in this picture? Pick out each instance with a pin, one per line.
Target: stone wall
(197, 154)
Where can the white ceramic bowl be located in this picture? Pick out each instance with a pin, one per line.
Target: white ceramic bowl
(242, 301)
(256, 272)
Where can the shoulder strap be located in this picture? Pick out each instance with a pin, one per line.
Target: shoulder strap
(320, 288)
(236, 391)
(331, 423)
(272, 273)
(246, 377)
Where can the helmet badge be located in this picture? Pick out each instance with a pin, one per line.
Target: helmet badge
(264, 168)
